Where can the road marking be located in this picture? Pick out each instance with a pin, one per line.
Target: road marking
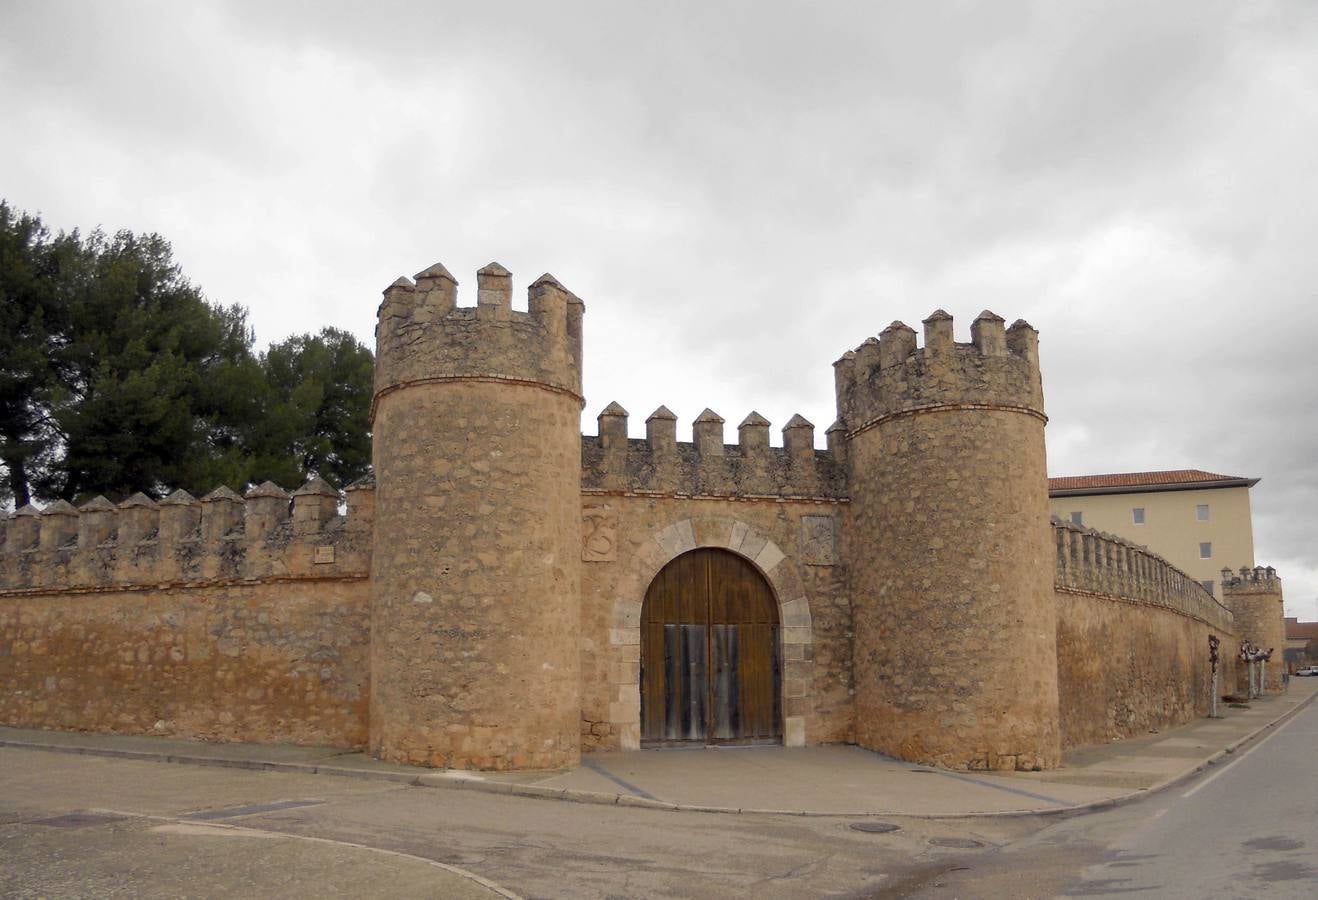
(1227, 768)
(600, 770)
(175, 825)
(1000, 787)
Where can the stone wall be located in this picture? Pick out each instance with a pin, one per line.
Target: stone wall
(232, 618)
(279, 661)
(1132, 639)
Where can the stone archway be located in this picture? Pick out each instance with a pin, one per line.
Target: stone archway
(785, 580)
(711, 663)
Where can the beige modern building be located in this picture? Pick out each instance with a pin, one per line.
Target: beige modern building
(1198, 521)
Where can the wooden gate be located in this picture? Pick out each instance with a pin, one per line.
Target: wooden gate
(710, 664)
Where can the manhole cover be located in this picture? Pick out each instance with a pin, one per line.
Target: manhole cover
(922, 772)
(874, 827)
(957, 843)
(78, 820)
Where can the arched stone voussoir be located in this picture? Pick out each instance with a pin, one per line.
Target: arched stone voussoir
(784, 578)
(675, 540)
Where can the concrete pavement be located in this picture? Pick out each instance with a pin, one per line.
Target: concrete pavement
(822, 781)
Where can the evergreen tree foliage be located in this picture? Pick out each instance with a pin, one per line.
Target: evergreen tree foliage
(319, 418)
(34, 272)
(117, 375)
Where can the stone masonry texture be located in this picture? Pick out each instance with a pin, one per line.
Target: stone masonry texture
(956, 660)
(476, 571)
(477, 602)
(1255, 596)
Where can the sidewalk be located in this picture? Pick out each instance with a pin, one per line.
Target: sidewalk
(832, 780)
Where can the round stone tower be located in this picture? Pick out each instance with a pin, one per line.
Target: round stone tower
(476, 568)
(955, 615)
(1255, 599)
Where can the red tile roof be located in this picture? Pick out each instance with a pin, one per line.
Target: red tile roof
(1149, 480)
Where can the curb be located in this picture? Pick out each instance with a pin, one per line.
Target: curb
(430, 779)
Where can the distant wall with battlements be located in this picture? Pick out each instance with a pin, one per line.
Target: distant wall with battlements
(1132, 639)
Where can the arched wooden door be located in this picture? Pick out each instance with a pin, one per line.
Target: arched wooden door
(710, 663)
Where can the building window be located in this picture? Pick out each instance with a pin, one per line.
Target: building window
(1206, 550)
(1201, 512)
(1077, 518)
(1208, 585)
(1138, 513)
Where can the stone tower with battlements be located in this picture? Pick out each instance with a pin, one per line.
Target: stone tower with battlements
(955, 622)
(507, 593)
(1255, 599)
(476, 568)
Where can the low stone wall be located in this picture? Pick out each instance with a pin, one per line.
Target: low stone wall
(1132, 639)
(271, 661)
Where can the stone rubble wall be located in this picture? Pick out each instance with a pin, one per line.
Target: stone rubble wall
(274, 661)
(230, 618)
(1132, 639)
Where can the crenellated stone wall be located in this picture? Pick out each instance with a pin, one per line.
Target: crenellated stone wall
(1132, 639)
(706, 466)
(230, 618)
(479, 605)
(180, 540)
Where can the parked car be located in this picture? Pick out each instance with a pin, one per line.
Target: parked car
(1307, 670)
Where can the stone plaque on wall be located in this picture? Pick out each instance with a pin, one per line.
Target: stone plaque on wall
(599, 530)
(817, 540)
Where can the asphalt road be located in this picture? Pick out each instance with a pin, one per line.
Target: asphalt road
(147, 829)
(1246, 829)
(86, 826)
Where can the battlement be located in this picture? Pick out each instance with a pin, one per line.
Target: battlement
(1090, 561)
(422, 335)
(1258, 580)
(707, 466)
(890, 375)
(141, 542)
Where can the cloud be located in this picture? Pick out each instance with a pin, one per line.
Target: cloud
(742, 192)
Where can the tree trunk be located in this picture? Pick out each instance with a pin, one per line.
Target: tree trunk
(18, 482)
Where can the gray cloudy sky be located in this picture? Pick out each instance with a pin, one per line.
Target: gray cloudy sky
(743, 191)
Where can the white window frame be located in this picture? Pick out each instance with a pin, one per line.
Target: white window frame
(1201, 512)
(1208, 546)
(1137, 515)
